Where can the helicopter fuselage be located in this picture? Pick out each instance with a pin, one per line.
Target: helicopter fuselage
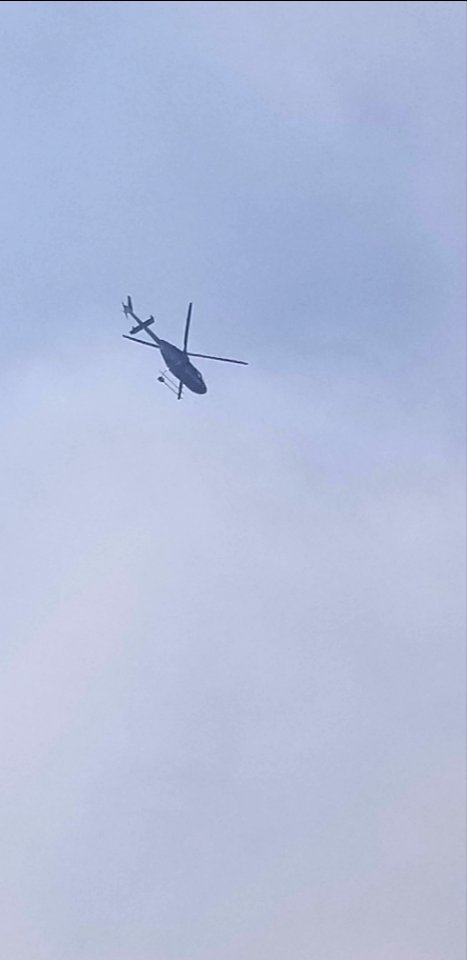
(178, 361)
(181, 367)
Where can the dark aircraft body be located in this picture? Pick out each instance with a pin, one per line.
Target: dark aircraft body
(177, 360)
(182, 368)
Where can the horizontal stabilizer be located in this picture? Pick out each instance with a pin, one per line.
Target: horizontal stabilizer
(142, 325)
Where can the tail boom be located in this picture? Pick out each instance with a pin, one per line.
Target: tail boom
(140, 324)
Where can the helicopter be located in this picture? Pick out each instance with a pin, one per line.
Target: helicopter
(176, 359)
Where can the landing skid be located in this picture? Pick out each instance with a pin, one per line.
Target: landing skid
(168, 381)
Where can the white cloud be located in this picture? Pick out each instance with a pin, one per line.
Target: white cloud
(231, 628)
(230, 674)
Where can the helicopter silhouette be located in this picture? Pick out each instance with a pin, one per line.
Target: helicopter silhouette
(177, 360)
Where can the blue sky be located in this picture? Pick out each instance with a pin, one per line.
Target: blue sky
(232, 695)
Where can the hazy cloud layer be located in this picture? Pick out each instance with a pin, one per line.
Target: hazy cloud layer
(232, 685)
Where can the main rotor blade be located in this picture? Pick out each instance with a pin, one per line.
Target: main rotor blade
(180, 388)
(207, 356)
(187, 327)
(137, 340)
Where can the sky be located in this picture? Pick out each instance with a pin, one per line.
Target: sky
(232, 685)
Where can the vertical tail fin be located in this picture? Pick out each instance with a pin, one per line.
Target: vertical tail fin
(128, 307)
(140, 324)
